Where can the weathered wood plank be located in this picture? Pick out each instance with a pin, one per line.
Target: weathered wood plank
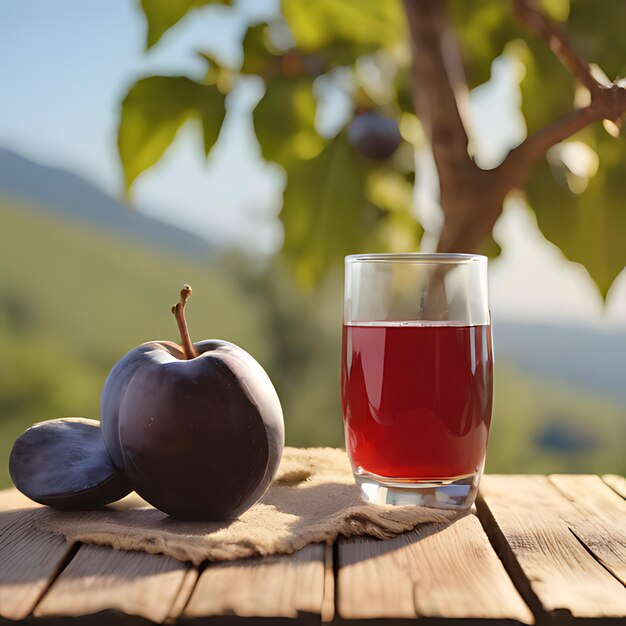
(617, 483)
(29, 558)
(527, 518)
(373, 580)
(100, 579)
(453, 573)
(328, 600)
(276, 586)
(598, 519)
(184, 593)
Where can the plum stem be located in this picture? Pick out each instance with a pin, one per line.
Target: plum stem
(189, 350)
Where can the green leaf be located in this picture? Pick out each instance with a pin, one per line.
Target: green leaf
(396, 232)
(483, 28)
(556, 9)
(284, 121)
(324, 210)
(317, 24)
(152, 113)
(389, 190)
(395, 228)
(255, 52)
(547, 87)
(596, 30)
(589, 227)
(163, 14)
(211, 107)
(490, 247)
(215, 71)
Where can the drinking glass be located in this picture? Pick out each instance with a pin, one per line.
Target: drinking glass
(416, 377)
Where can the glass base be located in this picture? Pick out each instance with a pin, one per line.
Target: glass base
(456, 493)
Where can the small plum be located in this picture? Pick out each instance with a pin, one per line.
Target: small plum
(64, 463)
(374, 135)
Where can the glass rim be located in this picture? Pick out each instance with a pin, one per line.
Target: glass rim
(424, 258)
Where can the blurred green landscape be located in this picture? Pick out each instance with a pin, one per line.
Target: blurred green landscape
(74, 299)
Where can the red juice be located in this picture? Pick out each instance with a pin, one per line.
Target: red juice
(416, 398)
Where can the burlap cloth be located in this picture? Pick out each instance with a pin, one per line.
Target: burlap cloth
(313, 499)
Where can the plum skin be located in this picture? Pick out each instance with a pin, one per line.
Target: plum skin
(114, 388)
(63, 463)
(200, 439)
(374, 135)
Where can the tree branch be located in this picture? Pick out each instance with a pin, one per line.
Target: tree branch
(556, 39)
(438, 86)
(520, 160)
(607, 102)
(439, 92)
(472, 198)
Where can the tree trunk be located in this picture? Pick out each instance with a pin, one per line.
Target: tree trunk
(472, 198)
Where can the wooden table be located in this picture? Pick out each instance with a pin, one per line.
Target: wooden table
(538, 550)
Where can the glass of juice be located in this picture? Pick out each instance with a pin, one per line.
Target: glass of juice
(416, 376)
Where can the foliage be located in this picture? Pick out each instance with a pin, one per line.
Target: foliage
(323, 205)
(322, 24)
(584, 217)
(155, 109)
(577, 201)
(163, 14)
(284, 120)
(369, 40)
(584, 211)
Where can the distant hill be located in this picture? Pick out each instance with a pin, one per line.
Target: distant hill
(590, 359)
(70, 196)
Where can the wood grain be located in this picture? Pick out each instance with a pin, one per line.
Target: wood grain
(100, 579)
(617, 483)
(562, 538)
(276, 586)
(373, 580)
(29, 558)
(453, 573)
(598, 519)
(527, 518)
(328, 600)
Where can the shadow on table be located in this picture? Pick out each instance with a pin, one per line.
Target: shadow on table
(313, 514)
(29, 554)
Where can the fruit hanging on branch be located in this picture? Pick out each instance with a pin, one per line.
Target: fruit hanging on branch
(374, 135)
(195, 429)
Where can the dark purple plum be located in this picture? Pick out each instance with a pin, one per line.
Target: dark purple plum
(374, 135)
(198, 430)
(64, 463)
(114, 388)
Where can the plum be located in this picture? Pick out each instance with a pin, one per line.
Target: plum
(198, 429)
(64, 463)
(374, 135)
(114, 388)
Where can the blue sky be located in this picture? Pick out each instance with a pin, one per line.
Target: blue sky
(66, 65)
(63, 65)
